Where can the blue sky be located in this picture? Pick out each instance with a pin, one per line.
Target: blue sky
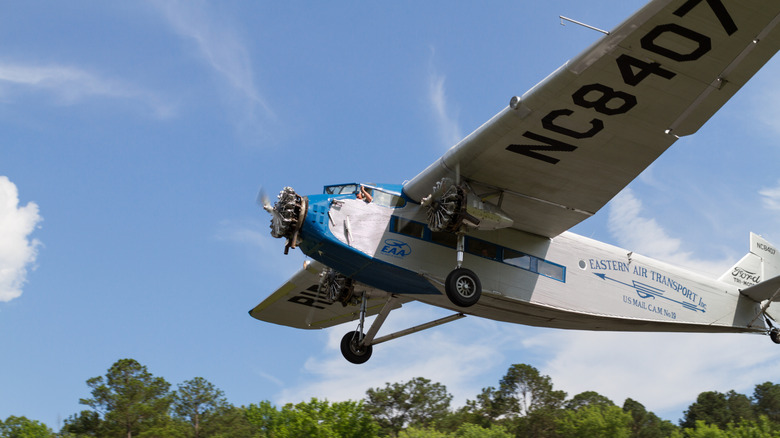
(134, 137)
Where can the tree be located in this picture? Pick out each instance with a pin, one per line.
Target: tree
(85, 424)
(195, 400)
(469, 430)
(525, 390)
(761, 428)
(22, 427)
(130, 399)
(716, 408)
(588, 398)
(594, 421)
(529, 401)
(646, 424)
(485, 409)
(417, 402)
(766, 399)
(228, 421)
(702, 430)
(315, 419)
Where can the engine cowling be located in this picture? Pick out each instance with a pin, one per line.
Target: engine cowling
(450, 207)
(288, 215)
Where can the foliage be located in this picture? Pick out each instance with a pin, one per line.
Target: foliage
(523, 390)
(417, 402)
(85, 424)
(22, 427)
(316, 419)
(587, 398)
(195, 401)
(466, 430)
(646, 424)
(720, 409)
(598, 419)
(130, 399)
(767, 400)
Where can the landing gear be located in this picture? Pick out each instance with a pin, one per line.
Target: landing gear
(451, 207)
(774, 335)
(463, 287)
(353, 349)
(357, 347)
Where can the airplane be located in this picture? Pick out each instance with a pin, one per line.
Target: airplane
(484, 230)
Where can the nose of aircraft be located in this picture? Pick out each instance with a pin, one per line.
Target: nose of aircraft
(287, 215)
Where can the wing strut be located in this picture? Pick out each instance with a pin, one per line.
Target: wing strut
(764, 306)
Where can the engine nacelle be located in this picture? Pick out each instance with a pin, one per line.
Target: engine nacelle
(452, 206)
(287, 218)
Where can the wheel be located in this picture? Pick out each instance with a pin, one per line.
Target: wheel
(352, 351)
(774, 335)
(463, 287)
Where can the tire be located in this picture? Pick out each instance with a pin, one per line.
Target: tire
(463, 287)
(774, 334)
(351, 351)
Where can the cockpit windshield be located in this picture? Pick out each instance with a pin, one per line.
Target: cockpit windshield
(368, 192)
(341, 189)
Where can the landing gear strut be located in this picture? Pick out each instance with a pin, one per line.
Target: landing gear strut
(447, 209)
(462, 286)
(356, 347)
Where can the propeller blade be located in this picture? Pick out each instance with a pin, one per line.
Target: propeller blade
(263, 201)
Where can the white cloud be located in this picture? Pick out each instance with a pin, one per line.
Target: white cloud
(71, 85)
(663, 371)
(771, 197)
(17, 250)
(645, 236)
(461, 355)
(446, 122)
(221, 48)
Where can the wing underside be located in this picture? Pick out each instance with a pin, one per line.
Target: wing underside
(299, 304)
(571, 143)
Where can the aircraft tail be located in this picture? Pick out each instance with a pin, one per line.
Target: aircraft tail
(761, 263)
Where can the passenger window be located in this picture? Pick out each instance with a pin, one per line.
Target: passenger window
(444, 238)
(516, 258)
(550, 270)
(409, 228)
(482, 248)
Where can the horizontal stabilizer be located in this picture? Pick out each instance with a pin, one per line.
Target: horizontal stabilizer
(298, 303)
(766, 290)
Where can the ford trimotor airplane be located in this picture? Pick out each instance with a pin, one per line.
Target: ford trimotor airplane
(483, 230)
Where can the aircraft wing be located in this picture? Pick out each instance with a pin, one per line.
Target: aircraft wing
(298, 304)
(571, 143)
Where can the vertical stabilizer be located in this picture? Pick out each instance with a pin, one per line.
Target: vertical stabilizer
(761, 263)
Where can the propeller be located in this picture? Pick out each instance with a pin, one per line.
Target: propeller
(264, 201)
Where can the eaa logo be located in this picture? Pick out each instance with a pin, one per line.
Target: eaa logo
(396, 248)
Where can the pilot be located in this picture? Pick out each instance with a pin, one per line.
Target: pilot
(364, 195)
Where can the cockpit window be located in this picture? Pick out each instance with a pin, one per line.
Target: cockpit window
(341, 189)
(376, 195)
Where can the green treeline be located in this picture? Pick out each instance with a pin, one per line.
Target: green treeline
(131, 402)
